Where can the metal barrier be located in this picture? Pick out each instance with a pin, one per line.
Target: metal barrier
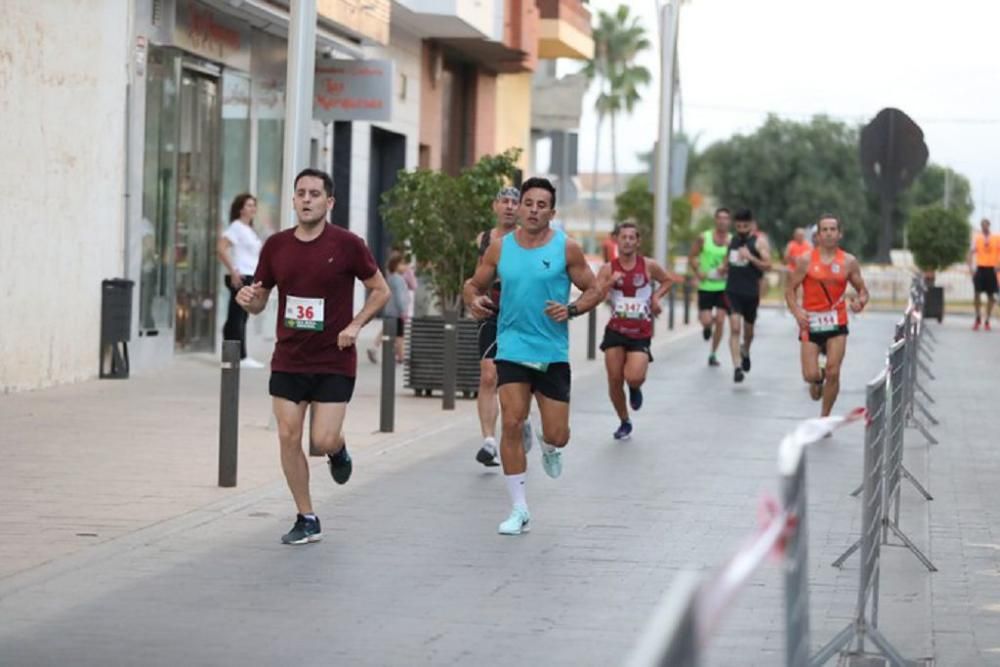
(864, 624)
(683, 623)
(892, 470)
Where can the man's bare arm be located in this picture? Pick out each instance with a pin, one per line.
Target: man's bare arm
(795, 279)
(858, 282)
(473, 293)
(694, 254)
(253, 298)
(764, 249)
(583, 278)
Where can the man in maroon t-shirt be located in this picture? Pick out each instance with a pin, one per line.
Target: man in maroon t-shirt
(314, 266)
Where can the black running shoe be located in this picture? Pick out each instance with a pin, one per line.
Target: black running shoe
(303, 532)
(486, 457)
(635, 397)
(340, 465)
(624, 431)
(738, 375)
(706, 332)
(745, 363)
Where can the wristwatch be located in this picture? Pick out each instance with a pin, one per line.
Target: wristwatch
(572, 310)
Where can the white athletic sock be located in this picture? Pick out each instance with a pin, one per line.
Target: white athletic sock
(490, 444)
(515, 487)
(548, 449)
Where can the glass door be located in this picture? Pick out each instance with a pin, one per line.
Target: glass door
(198, 191)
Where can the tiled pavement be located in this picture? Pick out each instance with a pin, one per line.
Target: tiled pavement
(412, 572)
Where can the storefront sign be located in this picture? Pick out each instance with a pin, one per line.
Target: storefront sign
(353, 90)
(211, 35)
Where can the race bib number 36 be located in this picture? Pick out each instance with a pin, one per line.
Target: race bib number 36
(823, 322)
(304, 313)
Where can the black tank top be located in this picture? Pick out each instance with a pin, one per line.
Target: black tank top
(744, 277)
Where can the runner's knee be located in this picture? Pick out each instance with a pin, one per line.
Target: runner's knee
(635, 378)
(556, 436)
(833, 374)
(290, 435)
(487, 376)
(512, 421)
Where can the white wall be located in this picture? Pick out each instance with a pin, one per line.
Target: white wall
(62, 114)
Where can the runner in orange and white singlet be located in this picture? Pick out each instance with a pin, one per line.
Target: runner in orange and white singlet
(822, 317)
(634, 303)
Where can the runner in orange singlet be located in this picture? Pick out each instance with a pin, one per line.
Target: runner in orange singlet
(822, 317)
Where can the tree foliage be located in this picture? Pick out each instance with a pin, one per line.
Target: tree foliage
(789, 173)
(635, 203)
(437, 217)
(938, 237)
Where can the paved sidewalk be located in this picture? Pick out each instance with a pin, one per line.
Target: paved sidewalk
(413, 573)
(94, 461)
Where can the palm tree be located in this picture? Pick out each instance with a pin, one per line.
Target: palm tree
(618, 39)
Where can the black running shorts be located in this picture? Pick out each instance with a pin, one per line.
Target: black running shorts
(488, 338)
(614, 338)
(311, 387)
(985, 280)
(554, 382)
(710, 300)
(744, 304)
(821, 338)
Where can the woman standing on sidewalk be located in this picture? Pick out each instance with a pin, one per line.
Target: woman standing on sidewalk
(396, 308)
(238, 249)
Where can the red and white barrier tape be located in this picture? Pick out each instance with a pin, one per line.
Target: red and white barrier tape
(776, 525)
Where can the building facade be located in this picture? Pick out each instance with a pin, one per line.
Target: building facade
(144, 118)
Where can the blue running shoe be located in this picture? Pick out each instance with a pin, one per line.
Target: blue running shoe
(517, 522)
(552, 462)
(624, 431)
(635, 397)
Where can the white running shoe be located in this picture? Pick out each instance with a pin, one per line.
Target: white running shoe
(517, 522)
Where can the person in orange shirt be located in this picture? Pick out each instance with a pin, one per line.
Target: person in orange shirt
(984, 261)
(822, 317)
(797, 247)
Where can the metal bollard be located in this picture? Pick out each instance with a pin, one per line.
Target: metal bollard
(592, 334)
(687, 303)
(671, 298)
(229, 413)
(450, 367)
(387, 401)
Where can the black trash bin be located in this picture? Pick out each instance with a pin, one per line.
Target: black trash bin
(116, 327)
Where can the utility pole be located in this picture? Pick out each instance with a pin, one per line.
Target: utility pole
(669, 24)
(298, 98)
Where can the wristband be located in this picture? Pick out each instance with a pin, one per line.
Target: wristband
(572, 310)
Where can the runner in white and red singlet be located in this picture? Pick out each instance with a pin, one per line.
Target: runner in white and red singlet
(629, 280)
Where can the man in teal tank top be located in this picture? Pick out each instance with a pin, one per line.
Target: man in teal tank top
(536, 265)
(706, 261)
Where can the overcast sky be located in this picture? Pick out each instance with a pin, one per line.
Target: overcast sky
(938, 62)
